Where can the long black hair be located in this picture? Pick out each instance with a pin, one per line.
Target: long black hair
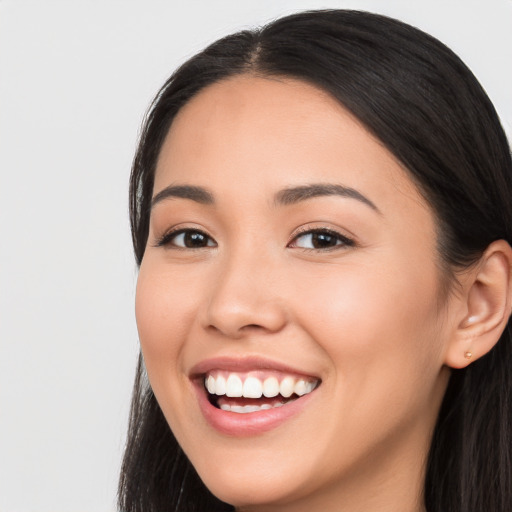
(425, 106)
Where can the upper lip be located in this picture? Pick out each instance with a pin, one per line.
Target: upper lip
(245, 364)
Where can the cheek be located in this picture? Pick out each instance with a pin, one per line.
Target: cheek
(378, 331)
(165, 308)
(381, 337)
(163, 312)
(351, 300)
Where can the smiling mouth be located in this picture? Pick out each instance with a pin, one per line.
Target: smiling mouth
(256, 391)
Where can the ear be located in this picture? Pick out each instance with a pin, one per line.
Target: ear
(486, 306)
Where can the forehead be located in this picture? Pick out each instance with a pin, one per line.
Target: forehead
(260, 133)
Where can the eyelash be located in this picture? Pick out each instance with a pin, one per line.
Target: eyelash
(345, 241)
(168, 237)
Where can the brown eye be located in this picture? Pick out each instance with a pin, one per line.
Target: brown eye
(187, 239)
(321, 239)
(193, 239)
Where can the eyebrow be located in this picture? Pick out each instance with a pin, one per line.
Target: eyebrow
(198, 194)
(293, 195)
(285, 197)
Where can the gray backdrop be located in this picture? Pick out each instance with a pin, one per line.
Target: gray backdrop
(76, 77)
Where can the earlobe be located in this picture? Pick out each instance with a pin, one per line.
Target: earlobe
(488, 299)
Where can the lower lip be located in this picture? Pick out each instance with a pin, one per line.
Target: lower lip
(248, 424)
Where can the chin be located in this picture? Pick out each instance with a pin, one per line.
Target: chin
(253, 488)
(258, 473)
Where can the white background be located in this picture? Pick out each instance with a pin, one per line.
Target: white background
(76, 77)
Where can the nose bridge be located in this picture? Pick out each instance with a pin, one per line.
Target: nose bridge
(245, 292)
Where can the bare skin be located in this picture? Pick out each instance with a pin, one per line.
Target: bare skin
(344, 287)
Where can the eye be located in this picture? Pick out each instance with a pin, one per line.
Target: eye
(186, 239)
(321, 239)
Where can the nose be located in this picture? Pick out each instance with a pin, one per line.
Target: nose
(246, 297)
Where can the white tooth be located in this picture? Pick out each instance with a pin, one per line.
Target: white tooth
(300, 387)
(210, 385)
(220, 385)
(286, 387)
(279, 404)
(225, 407)
(251, 408)
(270, 387)
(310, 386)
(252, 388)
(234, 386)
(246, 409)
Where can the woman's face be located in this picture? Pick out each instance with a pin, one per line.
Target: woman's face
(289, 252)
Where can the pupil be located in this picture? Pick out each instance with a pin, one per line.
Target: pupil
(195, 239)
(323, 240)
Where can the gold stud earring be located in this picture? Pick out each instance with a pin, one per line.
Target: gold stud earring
(468, 354)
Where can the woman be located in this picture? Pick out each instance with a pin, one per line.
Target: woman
(321, 216)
